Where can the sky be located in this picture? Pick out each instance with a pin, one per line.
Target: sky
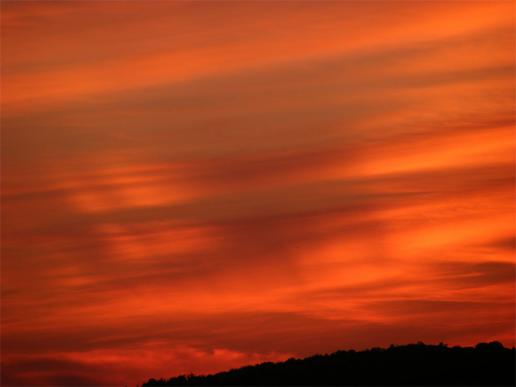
(196, 186)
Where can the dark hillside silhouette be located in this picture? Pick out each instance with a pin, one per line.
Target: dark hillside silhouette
(487, 364)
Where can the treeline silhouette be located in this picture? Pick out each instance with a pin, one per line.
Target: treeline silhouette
(486, 364)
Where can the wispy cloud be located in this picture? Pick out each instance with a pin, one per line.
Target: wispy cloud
(193, 186)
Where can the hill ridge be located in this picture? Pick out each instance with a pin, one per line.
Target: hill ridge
(398, 365)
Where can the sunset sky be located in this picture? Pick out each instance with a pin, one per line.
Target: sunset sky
(196, 186)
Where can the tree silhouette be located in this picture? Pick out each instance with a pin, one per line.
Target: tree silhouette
(487, 364)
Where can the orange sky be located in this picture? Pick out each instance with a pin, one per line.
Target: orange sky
(194, 186)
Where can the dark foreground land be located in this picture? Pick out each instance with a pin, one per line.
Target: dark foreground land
(487, 364)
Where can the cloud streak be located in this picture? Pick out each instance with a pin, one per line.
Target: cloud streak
(184, 199)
